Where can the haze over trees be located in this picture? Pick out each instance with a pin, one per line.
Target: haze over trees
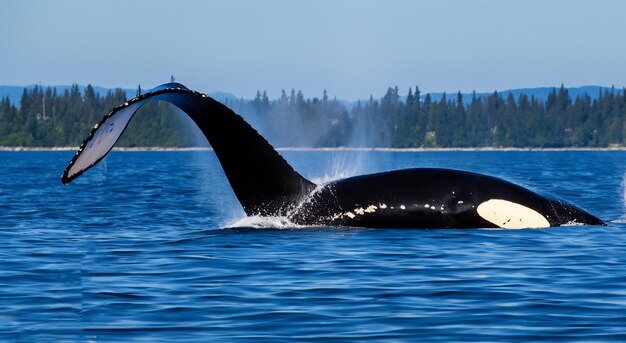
(45, 118)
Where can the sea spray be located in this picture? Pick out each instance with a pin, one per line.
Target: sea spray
(341, 166)
(622, 218)
(259, 222)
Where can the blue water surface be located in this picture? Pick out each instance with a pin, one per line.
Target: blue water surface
(143, 248)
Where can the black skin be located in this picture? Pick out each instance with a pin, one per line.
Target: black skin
(266, 185)
(452, 197)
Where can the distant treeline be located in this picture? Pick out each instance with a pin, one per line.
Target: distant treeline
(45, 118)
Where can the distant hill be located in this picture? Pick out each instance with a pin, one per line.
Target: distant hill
(541, 93)
(15, 92)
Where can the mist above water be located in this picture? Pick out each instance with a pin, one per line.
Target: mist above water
(292, 121)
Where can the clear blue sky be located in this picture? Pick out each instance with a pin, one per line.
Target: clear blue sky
(352, 48)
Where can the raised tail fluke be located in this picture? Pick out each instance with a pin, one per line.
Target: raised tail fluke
(262, 180)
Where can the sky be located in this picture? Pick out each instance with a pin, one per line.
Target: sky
(352, 48)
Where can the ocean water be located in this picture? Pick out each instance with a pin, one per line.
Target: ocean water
(154, 247)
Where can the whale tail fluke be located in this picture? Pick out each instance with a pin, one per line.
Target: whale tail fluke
(262, 180)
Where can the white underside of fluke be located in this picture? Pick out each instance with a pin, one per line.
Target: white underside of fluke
(510, 215)
(103, 138)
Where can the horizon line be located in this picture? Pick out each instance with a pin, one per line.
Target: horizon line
(228, 93)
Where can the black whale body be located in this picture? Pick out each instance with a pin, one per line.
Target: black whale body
(266, 185)
(430, 198)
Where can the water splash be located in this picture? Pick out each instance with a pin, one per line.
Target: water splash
(340, 168)
(259, 222)
(276, 222)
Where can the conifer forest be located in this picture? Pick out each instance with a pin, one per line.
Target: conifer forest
(46, 118)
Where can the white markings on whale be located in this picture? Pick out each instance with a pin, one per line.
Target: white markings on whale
(510, 215)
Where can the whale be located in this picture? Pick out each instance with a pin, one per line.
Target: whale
(266, 185)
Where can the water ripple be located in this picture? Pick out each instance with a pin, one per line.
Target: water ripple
(143, 251)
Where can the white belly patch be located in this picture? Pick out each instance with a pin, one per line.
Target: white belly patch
(510, 215)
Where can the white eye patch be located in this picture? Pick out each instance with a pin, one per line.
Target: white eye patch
(510, 215)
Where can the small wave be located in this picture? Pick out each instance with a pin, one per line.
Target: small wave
(573, 223)
(259, 222)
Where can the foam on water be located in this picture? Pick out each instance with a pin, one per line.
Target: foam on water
(259, 222)
(276, 222)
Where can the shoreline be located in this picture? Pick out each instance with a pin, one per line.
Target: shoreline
(304, 149)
